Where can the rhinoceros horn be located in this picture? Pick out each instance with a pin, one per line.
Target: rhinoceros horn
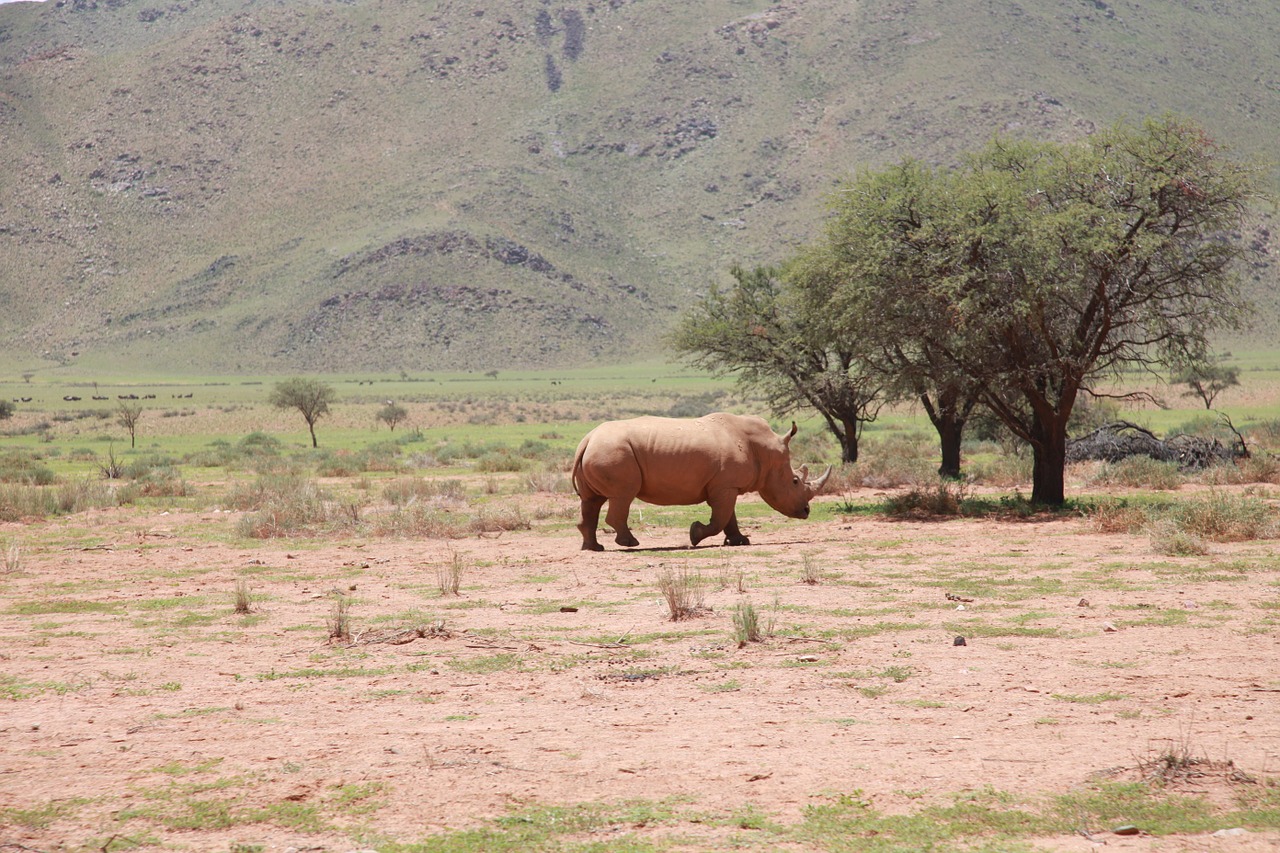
(817, 484)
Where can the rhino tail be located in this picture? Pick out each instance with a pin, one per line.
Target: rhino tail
(577, 467)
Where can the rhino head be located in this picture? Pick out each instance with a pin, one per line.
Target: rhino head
(785, 489)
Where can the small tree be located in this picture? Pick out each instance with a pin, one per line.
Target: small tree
(6, 410)
(1207, 381)
(392, 413)
(770, 331)
(309, 396)
(128, 416)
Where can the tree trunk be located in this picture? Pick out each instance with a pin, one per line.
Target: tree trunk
(1048, 485)
(948, 418)
(848, 437)
(312, 427)
(950, 434)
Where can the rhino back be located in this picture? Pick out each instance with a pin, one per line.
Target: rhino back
(677, 460)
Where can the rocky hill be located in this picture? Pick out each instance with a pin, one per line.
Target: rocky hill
(236, 185)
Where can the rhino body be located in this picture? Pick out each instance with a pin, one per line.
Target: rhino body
(674, 461)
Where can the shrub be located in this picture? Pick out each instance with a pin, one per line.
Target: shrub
(1259, 468)
(555, 482)
(24, 468)
(499, 519)
(882, 472)
(746, 624)
(420, 521)
(943, 498)
(500, 460)
(1139, 472)
(683, 592)
(403, 492)
(279, 505)
(1167, 539)
(1218, 517)
(1117, 517)
(1006, 470)
(1222, 517)
(449, 577)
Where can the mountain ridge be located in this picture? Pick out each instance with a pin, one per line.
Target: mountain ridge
(242, 186)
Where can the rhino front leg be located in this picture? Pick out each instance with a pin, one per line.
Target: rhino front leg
(590, 521)
(619, 509)
(722, 514)
(732, 535)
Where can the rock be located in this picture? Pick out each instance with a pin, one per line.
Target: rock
(959, 641)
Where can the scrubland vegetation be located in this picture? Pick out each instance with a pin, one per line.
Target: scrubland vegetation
(430, 575)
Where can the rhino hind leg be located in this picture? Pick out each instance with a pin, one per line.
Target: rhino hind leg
(619, 509)
(590, 521)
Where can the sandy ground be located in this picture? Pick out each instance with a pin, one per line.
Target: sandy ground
(132, 693)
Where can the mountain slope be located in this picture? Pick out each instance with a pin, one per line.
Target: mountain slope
(379, 184)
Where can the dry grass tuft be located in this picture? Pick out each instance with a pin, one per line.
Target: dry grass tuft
(449, 576)
(244, 601)
(683, 591)
(339, 621)
(746, 624)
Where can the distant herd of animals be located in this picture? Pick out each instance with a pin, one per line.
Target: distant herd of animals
(71, 398)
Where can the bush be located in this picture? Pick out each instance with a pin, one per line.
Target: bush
(20, 501)
(24, 468)
(1139, 472)
(943, 498)
(403, 492)
(281, 505)
(1167, 539)
(419, 521)
(683, 592)
(1005, 471)
(1259, 468)
(1222, 517)
(1217, 517)
(881, 472)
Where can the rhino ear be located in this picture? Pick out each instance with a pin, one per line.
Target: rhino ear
(786, 441)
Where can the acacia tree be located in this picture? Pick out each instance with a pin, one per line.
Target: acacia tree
(128, 416)
(875, 249)
(1207, 380)
(760, 330)
(1046, 267)
(309, 396)
(391, 414)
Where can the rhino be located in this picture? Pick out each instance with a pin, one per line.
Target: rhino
(677, 461)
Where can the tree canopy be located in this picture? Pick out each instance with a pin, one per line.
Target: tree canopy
(1035, 268)
(1017, 280)
(309, 396)
(763, 330)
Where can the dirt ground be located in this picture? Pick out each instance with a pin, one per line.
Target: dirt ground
(139, 711)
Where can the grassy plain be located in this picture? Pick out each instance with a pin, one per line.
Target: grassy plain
(428, 662)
